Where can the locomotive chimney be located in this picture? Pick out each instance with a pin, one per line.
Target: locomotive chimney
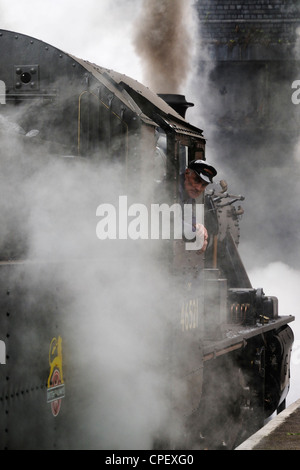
(177, 102)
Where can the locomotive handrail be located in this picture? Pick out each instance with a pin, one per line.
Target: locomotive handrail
(241, 198)
(223, 194)
(220, 196)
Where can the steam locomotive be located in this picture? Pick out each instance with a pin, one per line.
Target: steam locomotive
(225, 352)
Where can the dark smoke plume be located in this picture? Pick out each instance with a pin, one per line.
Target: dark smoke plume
(164, 44)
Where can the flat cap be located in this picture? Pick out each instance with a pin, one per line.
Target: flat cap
(203, 169)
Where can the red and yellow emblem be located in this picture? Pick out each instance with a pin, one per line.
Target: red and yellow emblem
(55, 384)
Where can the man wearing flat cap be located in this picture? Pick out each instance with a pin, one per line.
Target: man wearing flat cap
(198, 175)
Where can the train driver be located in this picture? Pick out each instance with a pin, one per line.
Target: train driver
(198, 175)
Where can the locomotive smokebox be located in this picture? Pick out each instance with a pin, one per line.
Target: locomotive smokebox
(177, 102)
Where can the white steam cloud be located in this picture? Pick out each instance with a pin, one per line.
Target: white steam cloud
(113, 297)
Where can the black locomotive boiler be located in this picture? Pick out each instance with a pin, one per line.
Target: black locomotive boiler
(224, 349)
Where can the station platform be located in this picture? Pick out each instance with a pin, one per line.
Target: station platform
(281, 433)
